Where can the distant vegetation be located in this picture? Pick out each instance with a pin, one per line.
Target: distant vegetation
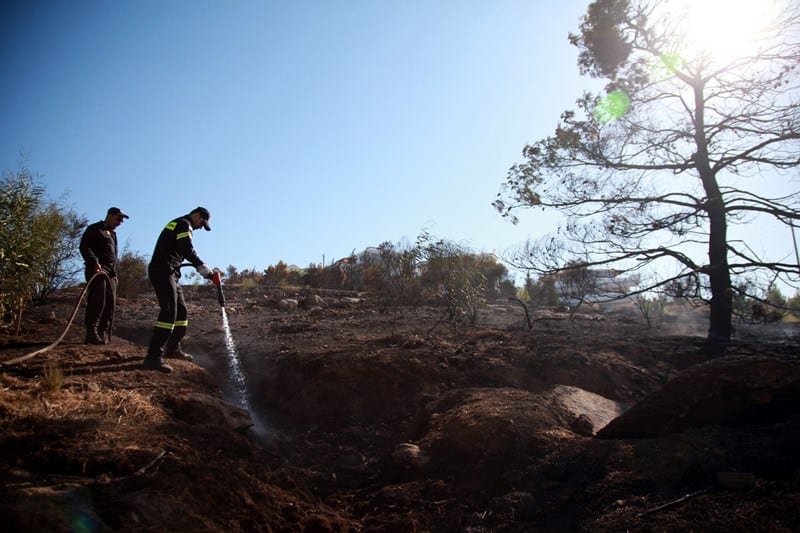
(39, 253)
(431, 270)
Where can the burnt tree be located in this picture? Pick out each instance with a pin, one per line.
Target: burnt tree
(652, 173)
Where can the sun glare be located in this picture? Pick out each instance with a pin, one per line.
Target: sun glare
(726, 29)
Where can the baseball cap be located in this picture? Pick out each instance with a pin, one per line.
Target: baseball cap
(117, 211)
(206, 216)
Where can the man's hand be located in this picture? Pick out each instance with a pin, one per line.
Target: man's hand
(204, 271)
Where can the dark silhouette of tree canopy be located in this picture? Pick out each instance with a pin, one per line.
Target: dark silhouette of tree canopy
(677, 149)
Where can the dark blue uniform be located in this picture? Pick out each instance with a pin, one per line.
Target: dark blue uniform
(174, 245)
(99, 246)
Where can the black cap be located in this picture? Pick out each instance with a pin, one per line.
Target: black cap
(117, 211)
(205, 214)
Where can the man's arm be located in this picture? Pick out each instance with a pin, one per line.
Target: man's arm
(87, 245)
(183, 243)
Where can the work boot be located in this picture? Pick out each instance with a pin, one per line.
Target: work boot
(176, 352)
(104, 333)
(103, 336)
(157, 341)
(156, 363)
(92, 337)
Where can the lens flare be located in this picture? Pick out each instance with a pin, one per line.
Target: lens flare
(612, 106)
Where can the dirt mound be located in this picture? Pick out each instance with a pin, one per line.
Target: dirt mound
(730, 390)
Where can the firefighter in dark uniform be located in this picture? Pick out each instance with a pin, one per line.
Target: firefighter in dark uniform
(98, 248)
(174, 245)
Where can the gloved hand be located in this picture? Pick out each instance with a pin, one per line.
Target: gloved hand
(204, 271)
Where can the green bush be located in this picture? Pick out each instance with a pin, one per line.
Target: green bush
(38, 243)
(132, 274)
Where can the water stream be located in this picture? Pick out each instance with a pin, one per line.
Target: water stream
(237, 376)
(261, 430)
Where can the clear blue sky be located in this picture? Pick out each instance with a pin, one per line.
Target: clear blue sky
(306, 128)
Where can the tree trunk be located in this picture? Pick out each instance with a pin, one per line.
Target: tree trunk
(718, 270)
(720, 329)
(18, 325)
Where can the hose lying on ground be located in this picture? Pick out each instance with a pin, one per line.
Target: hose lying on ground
(75, 312)
(69, 323)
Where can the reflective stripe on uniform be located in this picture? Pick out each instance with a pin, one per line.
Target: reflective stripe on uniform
(165, 325)
(181, 323)
(183, 235)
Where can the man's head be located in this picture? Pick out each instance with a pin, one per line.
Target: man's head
(114, 217)
(200, 218)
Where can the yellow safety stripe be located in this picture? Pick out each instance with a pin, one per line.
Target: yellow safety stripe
(171, 226)
(181, 323)
(183, 235)
(165, 325)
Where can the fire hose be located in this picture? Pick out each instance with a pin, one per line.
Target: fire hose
(216, 279)
(63, 334)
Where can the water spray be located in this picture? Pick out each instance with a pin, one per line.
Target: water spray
(230, 347)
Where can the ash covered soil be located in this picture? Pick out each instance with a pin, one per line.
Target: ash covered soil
(368, 419)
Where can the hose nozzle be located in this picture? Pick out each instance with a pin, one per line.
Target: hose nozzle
(216, 279)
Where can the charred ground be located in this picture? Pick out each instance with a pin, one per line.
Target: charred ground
(373, 419)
